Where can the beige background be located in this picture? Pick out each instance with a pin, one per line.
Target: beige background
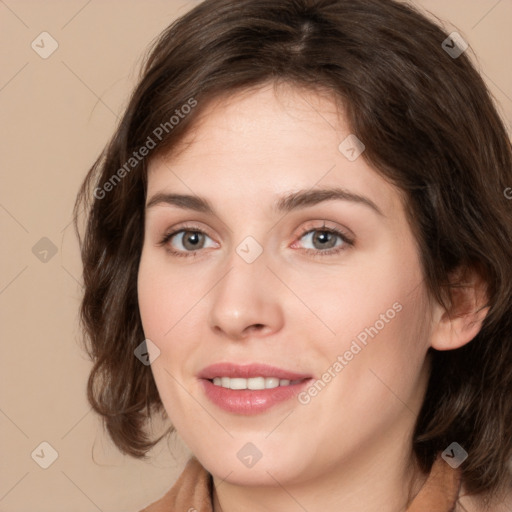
(57, 113)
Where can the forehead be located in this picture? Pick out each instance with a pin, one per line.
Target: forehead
(249, 118)
(264, 141)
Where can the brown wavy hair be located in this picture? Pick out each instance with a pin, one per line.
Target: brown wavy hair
(430, 127)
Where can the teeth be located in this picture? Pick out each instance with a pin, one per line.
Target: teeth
(271, 382)
(252, 383)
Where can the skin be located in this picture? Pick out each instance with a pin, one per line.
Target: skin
(351, 443)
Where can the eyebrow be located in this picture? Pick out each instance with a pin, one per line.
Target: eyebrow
(285, 204)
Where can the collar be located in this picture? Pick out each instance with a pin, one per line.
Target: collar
(193, 490)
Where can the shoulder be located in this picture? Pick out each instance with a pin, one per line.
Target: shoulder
(192, 491)
(484, 503)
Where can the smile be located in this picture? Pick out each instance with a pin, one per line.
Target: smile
(254, 383)
(251, 388)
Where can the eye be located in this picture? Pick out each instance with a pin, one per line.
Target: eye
(325, 240)
(191, 238)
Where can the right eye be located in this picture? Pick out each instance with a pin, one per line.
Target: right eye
(191, 238)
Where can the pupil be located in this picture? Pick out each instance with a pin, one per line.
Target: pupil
(323, 237)
(194, 235)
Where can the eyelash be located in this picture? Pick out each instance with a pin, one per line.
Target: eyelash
(347, 241)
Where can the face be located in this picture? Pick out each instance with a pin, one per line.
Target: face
(278, 282)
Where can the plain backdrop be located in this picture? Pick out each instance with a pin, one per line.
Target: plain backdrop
(57, 113)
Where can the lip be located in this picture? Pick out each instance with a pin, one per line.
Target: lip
(247, 401)
(247, 371)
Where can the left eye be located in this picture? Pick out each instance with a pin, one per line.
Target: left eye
(324, 240)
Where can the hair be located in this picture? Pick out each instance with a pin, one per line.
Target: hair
(430, 127)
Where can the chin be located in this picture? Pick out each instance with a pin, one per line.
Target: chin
(263, 472)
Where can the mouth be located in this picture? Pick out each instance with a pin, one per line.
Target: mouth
(250, 389)
(249, 372)
(253, 383)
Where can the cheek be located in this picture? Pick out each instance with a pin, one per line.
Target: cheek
(170, 309)
(164, 295)
(369, 296)
(379, 376)
(379, 314)
(151, 300)
(163, 311)
(390, 346)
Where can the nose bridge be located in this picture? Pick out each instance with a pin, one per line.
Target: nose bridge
(242, 297)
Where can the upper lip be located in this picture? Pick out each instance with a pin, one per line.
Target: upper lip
(248, 371)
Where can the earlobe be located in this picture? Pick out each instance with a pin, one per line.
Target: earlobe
(455, 328)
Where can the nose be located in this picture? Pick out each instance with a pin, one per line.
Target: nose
(246, 301)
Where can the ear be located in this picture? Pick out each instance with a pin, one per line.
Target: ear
(454, 328)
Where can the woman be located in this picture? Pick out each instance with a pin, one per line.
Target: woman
(298, 251)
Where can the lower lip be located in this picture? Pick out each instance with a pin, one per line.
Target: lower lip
(249, 401)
